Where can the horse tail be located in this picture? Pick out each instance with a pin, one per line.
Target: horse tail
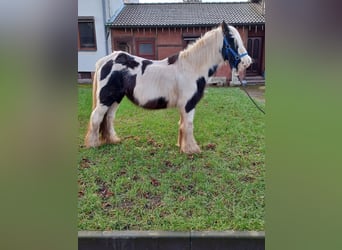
(95, 83)
(104, 129)
(91, 138)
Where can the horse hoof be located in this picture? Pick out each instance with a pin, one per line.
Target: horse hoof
(93, 144)
(113, 140)
(191, 150)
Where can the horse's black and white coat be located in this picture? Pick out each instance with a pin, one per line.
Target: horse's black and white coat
(177, 81)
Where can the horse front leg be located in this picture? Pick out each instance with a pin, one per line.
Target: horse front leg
(188, 143)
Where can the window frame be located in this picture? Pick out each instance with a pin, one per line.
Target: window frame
(146, 41)
(86, 20)
(189, 39)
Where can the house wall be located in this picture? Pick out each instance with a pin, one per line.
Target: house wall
(169, 41)
(102, 14)
(87, 59)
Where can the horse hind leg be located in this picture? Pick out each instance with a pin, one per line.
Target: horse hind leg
(92, 138)
(107, 126)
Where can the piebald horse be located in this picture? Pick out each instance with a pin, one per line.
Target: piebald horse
(174, 82)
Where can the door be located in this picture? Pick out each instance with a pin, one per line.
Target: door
(123, 44)
(254, 49)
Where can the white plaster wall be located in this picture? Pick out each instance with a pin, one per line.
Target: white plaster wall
(113, 7)
(93, 8)
(87, 59)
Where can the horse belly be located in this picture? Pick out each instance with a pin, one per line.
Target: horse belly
(155, 92)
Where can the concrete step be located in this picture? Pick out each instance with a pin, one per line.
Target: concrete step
(254, 80)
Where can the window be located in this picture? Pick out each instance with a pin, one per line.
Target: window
(86, 34)
(146, 49)
(189, 40)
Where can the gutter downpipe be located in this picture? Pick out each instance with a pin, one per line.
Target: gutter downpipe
(105, 26)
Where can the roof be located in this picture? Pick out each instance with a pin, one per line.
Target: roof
(188, 14)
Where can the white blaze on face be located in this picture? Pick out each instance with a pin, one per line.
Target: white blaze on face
(246, 61)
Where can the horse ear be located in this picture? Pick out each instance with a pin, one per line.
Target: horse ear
(224, 27)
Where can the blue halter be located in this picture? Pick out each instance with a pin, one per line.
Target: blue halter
(227, 50)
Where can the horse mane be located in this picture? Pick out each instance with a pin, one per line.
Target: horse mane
(204, 50)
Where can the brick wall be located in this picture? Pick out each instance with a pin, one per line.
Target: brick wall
(169, 41)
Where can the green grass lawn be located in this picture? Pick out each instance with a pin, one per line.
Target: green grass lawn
(144, 183)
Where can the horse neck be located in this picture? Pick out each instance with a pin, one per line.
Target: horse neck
(204, 53)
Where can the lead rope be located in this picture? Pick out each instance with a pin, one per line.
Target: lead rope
(244, 88)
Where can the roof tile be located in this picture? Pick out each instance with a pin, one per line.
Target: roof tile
(187, 14)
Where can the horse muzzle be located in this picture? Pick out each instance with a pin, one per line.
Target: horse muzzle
(245, 62)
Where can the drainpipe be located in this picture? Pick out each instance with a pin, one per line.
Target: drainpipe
(105, 27)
